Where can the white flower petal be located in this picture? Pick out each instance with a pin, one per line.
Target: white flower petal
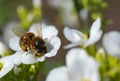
(3, 48)
(111, 43)
(7, 31)
(52, 53)
(71, 45)
(28, 58)
(73, 54)
(53, 47)
(58, 74)
(56, 42)
(7, 65)
(91, 67)
(14, 43)
(95, 33)
(16, 58)
(95, 28)
(80, 65)
(49, 32)
(73, 35)
(93, 39)
(95, 76)
(73, 61)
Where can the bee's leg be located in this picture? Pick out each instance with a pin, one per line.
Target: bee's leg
(28, 51)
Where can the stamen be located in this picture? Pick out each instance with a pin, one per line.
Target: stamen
(85, 36)
(1, 65)
(85, 79)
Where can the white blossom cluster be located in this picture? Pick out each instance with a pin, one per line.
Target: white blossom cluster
(80, 66)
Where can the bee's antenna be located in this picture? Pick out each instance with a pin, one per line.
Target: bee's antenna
(36, 19)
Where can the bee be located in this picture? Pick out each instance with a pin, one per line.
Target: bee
(29, 42)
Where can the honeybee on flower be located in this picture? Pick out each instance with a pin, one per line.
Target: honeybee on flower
(38, 43)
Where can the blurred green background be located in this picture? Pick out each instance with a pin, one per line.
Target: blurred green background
(8, 12)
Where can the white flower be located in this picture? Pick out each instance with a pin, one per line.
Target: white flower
(78, 38)
(55, 3)
(3, 48)
(49, 35)
(111, 43)
(83, 14)
(7, 63)
(36, 3)
(80, 67)
(68, 15)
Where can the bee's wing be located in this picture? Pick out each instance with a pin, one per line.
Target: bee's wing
(37, 29)
(18, 31)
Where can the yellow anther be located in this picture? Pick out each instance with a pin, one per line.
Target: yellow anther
(85, 80)
(1, 65)
(85, 36)
(32, 68)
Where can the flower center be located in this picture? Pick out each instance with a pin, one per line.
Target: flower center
(85, 36)
(85, 79)
(1, 65)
